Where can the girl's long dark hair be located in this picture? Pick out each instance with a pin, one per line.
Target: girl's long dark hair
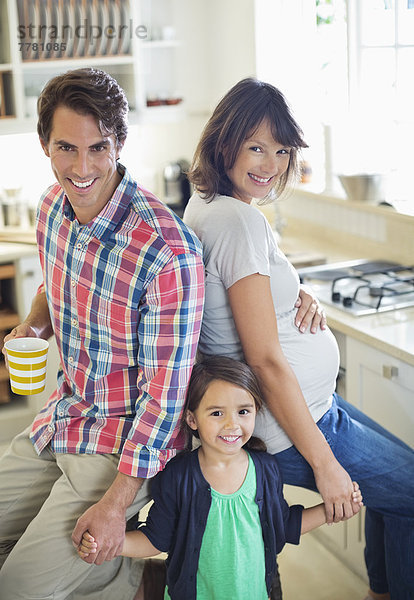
(227, 369)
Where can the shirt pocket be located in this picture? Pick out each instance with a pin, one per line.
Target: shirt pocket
(108, 328)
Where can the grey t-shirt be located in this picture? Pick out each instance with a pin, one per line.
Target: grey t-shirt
(238, 241)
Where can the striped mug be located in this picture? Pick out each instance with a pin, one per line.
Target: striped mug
(27, 364)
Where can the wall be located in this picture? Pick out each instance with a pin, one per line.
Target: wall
(355, 229)
(149, 146)
(218, 49)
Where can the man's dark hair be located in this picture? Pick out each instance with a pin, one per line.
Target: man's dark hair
(87, 92)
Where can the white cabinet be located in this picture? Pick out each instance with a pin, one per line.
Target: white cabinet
(345, 540)
(382, 387)
(136, 41)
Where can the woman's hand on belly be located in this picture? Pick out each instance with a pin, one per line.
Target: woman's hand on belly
(310, 313)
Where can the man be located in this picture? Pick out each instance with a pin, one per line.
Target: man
(122, 293)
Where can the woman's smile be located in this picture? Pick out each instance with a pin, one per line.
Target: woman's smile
(260, 162)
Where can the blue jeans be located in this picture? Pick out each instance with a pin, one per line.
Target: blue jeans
(383, 466)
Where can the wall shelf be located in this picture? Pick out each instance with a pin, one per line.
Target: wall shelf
(31, 52)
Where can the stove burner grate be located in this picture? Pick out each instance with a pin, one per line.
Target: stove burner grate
(395, 282)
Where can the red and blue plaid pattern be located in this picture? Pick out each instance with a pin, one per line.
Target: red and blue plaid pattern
(125, 294)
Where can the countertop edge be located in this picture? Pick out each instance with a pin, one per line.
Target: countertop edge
(360, 331)
(11, 251)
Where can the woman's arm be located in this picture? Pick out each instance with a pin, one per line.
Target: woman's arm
(254, 315)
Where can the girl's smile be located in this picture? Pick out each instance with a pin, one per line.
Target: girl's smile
(224, 419)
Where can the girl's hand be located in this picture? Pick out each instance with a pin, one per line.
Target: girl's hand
(87, 545)
(310, 313)
(357, 502)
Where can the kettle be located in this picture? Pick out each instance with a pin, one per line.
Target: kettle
(177, 189)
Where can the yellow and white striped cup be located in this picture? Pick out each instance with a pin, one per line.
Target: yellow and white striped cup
(27, 364)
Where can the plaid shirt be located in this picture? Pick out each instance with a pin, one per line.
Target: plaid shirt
(125, 294)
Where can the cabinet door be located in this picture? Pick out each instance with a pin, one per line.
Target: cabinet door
(382, 387)
(28, 278)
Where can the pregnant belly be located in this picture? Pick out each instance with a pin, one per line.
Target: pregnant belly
(314, 359)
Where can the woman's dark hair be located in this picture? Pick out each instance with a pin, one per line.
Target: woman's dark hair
(87, 92)
(237, 116)
(213, 368)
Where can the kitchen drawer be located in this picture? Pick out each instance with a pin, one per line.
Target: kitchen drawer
(382, 387)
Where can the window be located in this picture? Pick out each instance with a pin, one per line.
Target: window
(346, 67)
(380, 122)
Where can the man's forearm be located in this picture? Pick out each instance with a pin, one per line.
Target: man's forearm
(123, 490)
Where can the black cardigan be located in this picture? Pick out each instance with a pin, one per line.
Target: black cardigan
(178, 517)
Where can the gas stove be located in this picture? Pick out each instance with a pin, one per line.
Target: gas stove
(362, 287)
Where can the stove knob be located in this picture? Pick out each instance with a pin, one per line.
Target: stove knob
(336, 297)
(347, 301)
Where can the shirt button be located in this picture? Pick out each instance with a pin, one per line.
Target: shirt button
(79, 246)
(50, 428)
(74, 322)
(73, 282)
(71, 360)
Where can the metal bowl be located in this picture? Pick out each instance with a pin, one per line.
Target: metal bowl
(363, 187)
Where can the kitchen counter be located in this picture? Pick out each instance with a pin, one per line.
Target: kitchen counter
(10, 251)
(18, 235)
(391, 332)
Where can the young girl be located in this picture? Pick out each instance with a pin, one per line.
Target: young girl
(219, 511)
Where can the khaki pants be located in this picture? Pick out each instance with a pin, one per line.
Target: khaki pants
(41, 498)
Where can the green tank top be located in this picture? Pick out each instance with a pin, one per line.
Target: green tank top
(232, 560)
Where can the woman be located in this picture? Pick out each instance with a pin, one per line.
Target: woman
(249, 150)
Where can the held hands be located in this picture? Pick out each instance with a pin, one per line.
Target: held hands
(357, 502)
(337, 491)
(310, 313)
(105, 525)
(87, 546)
